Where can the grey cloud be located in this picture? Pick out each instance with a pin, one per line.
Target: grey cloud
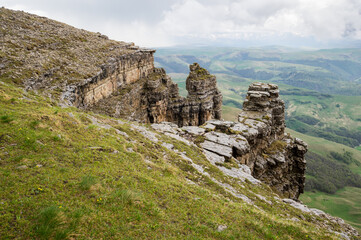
(167, 22)
(91, 10)
(349, 30)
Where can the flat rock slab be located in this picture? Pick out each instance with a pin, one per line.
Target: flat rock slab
(221, 124)
(245, 130)
(194, 130)
(239, 173)
(234, 141)
(165, 127)
(209, 126)
(145, 132)
(219, 149)
(213, 157)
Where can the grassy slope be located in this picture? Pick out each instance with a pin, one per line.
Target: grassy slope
(230, 113)
(346, 115)
(41, 49)
(345, 204)
(83, 181)
(334, 111)
(324, 147)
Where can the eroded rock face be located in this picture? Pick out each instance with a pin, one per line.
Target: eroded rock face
(203, 93)
(257, 142)
(155, 98)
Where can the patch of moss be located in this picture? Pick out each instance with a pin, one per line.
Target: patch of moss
(199, 139)
(266, 117)
(229, 163)
(276, 146)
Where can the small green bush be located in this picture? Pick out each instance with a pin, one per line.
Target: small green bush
(86, 182)
(34, 124)
(6, 119)
(125, 197)
(52, 223)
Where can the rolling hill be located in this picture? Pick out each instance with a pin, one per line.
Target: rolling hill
(321, 89)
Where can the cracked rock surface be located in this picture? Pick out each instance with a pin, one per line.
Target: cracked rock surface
(255, 148)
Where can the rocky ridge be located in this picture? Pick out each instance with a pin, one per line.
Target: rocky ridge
(163, 177)
(257, 141)
(90, 71)
(155, 98)
(44, 54)
(123, 82)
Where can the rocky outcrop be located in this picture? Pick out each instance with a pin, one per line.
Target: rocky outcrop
(203, 95)
(120, 71)
(257, 141)
(90, 71)
(155, 98)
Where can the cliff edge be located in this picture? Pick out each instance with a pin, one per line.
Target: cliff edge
(155, 98)
(257, 141)
(89, 71)
(71, 173)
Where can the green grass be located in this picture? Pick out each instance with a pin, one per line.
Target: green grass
(345, 204)
(334, 117)
(86, 182)
(324, 147)
(328, 71)
(230, 113)
(64, 177)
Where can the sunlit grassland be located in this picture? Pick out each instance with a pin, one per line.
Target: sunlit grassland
(345, 204)
(63, 175)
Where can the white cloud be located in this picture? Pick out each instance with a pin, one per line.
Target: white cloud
(167, 22)
(139, 32)
(28, 9)
(321, 19)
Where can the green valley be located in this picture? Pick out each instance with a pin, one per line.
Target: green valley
(322, 93)
(97, 143)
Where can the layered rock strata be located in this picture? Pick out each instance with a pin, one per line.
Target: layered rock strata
(118, 72)
(90, 71)
(155, 98)
(257, 141)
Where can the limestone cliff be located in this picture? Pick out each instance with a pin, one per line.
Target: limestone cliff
(257, 141)
(90, 71)
(155, 98)
(202, 181)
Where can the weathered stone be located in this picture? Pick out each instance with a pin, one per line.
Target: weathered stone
(22, 167)
(209, 126)
(221, 228)
(268, 103)
(219, 149)
(213, 157)
(221, 124)
(297, 205)
(239, 173)
(279, 157)
(145, 132)
(165, 127)
(257, 140)
(245, 130)
(236, 142)
(153, 97)
(194, 130)
(168, 146)
(349, 231)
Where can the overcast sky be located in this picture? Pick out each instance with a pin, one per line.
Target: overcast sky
(157, 23)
